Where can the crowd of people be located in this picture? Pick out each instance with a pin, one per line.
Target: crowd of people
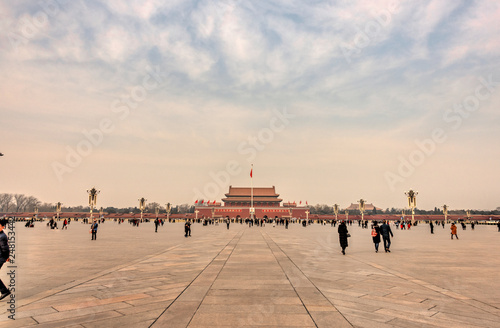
(379, 232)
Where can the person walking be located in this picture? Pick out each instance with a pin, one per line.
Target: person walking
(93, 230)
(453, 229)
(432, 227)
(157, 223)
(227, 223)
(65, 224)
(386, 232)
(187, 229)
(343, 235)
(4, 256)
(376, 235)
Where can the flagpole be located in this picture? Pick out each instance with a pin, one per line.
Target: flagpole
(251, 193)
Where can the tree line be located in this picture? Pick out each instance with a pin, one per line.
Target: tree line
(18, 203)
(22, 203)
(328, 210)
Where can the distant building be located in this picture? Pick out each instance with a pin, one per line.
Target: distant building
(368, 207)
(266, 203)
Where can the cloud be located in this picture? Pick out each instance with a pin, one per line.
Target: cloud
(225, 65)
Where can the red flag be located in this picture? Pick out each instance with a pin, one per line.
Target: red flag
(251, 175)
(214, 202)
(300, 202)
(196, 202)
(202, 201)
(306, 203)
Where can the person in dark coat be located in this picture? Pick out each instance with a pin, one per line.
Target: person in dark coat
(386, 232)
(4, 256)
(342, 230)
(187, 229)
(157, 223)
(432, 227)
(376, 235)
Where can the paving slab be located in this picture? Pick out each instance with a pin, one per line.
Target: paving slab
(253, 277)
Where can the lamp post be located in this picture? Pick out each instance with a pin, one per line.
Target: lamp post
(412, 203)
(445, 212)
(468, 215)
(362, 209)
(168, 207)
(307, 216)
(336, 211)
(101, 212)
(92, 200)
(142, 205)
(58, 209)
(346, 215)
(157, 211)
(36, 212)
(196, 214)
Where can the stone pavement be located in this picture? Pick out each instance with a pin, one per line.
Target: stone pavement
(253, 277)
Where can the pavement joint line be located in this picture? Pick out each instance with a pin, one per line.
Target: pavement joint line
(294, 289)
(291, 261)
(463, 299)
(427, 285)
(218, 273)
(240, 233)
(42, 295)
(54, 291)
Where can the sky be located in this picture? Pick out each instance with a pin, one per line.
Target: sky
(173, 101)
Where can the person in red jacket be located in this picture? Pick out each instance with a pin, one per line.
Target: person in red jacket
(453, 229)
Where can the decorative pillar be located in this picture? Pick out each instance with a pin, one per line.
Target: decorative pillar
(92, 200)
(412, 203)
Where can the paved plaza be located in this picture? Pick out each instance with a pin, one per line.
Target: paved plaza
(253, 277)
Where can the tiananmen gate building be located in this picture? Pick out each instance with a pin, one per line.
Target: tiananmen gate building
(266, 203)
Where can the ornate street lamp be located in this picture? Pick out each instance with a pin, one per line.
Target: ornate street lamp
(101, 212)
(196, 213)
(336, 211)
(58, 209)
(346, 215)
(142, 205)
(36, 212)
(362, 208)
(157, 211)
(445, 212)
(168, 207)
(307, 216)
(468, 215)
(412, 203)
(92, 200)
